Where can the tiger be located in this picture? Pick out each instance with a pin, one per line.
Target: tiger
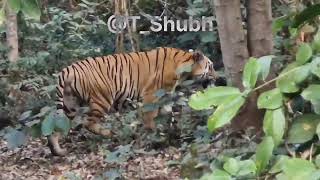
(105, 82)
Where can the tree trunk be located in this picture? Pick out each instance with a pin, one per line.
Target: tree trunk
(260, 42)
(12, 35)
(236, 47)
(232, 39)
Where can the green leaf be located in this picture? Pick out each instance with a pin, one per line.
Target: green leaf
(318, 130)
(217, 175)
(298, 169)
(303, 128)
(62, 123)
(274, 125)
(279, 23)
(15, 5)
(307, 14)
(316, 106)
(302, 73)
(264, 153)
(291, 76)
(2, 16)
(247, 167)
(225, 112)
(315, 175)
(316, 42)
(282, 176)
(271, 99)
(15, 138)
(311, 92)
(304, 53)
(48, 124)
(317, 159)
(250, 73)
(31, 9)
(231, 166)
(315, 66)
(278, 166)
(265, 62)
(212, 96)
(35, 130)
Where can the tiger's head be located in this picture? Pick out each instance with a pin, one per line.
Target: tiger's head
(201, 69)
(202, 66)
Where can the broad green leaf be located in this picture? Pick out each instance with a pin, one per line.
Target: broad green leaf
(274, 125)
(279, 23)
(307, 14)
(278, 166)
(265, 62)
(315, 175)
(15, 138)
(31, 9)
(317, 159)
(316, 106)
(62, 123)
(48, 124)
(35, 130)
(213, 96)
(271, 99)
(15, 5)
(304, 53)
(315, 66)
(311, 92)
(316, 42)
(2, 16)
(291, 76)
(303, 128)
(318, 130)
(225, 112)
(282, 176)
(302, 73)
(250, 73)
(286, 82)
(264, 153)
(231, 166)
(298, 169)
(247, 167)
(217, 175)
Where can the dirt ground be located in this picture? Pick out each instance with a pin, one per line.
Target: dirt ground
(84, 161)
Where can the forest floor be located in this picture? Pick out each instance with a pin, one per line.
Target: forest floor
(34, 161)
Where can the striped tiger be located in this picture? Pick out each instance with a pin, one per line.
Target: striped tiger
(105, 82)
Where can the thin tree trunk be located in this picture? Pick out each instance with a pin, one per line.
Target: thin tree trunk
(232, 38)
(12, 35)
(260, 40)
(260, 43)
(235, 52)
(120, 36)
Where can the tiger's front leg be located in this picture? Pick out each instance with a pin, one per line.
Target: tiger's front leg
(96, 113)
(148, 117)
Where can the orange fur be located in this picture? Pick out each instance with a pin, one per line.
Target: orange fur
(106, 82)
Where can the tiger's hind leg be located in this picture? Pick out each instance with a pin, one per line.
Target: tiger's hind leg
(96, 113)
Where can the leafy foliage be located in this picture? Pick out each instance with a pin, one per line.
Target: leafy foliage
(300, 78)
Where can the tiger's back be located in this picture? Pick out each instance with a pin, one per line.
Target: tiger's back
(107, 81)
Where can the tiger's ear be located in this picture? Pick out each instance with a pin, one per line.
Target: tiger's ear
(198, 56)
